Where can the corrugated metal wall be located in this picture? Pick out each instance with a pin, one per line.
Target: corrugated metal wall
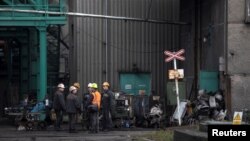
(187, 38)
(212, 28)
(103, 48)
(207, 21)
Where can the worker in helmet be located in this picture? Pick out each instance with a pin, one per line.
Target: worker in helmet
(59, 105)
(87, 100)
(94, 108)
(77, 85)
(107, 98)
(72, 108)
(90, 87)
(87, 97)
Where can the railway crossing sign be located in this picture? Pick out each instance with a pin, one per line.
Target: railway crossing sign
(174, 55)
(175, 74)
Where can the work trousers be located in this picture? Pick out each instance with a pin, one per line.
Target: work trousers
(72, 121)
(59, 119)
(94, 119)
(107, 121)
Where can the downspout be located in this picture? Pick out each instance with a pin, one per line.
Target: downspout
(227, 80)
(197, 45)
(225, 36)
(106, 41)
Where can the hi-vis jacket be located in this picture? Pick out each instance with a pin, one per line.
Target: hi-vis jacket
(96, 99)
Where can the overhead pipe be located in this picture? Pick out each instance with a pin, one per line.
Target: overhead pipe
(96, 16)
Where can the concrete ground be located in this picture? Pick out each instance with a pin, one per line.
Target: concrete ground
(10, 133)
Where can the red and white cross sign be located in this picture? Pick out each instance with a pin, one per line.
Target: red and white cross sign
(174, 55)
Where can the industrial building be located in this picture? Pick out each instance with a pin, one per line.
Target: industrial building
(128, 54)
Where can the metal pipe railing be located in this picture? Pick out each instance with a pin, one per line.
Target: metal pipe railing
(35, 4)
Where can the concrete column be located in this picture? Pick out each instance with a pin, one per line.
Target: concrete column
(42, 78)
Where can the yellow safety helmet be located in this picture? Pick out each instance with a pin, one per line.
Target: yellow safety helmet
(94, 85)
(77, 85)
(105, 84)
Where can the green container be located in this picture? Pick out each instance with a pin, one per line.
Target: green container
(209, 81)
(133, 83)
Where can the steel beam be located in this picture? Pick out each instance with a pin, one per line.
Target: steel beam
(42, 84)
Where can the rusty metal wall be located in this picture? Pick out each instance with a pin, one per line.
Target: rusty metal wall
(101, 49)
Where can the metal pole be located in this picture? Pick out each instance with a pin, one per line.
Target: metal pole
(177, 94)
(106, 39)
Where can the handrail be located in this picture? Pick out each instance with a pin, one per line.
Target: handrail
(35, 5)
(41, 5)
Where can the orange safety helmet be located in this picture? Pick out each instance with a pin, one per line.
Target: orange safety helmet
(77, 85)
(105, 84)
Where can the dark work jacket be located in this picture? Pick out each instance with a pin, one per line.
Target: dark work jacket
(59, 102)
(87, 99)
(107, 99)
(72, 104)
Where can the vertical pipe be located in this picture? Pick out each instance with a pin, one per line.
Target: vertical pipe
(227, 79)
(197, 43)
(43, 64)
(225, 34)
(9, 89)
(106, 40)
(58, 48)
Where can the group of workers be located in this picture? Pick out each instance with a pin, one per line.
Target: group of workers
(91, 105)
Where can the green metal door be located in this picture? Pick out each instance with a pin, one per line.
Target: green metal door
(209, 81)
(133, 83)
(171, 92)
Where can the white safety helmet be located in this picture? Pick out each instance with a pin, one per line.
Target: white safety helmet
(89, 85)
(61, 85)
(72, 88)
